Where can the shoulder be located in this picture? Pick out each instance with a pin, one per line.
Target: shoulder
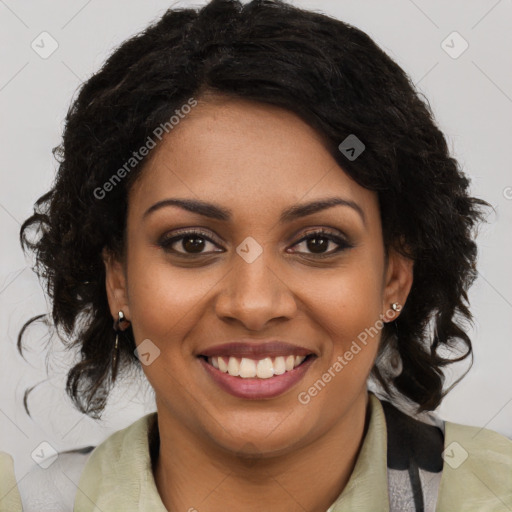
(477, 445)
(122, 445)
(477, 470)
(119, 470)
(9, 495)
(474, 464)
(52, 488)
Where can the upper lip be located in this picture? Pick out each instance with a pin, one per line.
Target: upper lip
(251, 349)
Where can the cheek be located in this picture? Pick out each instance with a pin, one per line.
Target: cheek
(346, 302)
(164, 308)
(164, 298)
(347, 312)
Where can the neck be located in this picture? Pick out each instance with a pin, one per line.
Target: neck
(310, 478)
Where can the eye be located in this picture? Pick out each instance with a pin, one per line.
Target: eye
(317, 242)
(192, 242)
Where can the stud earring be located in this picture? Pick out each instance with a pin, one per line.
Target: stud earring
(396, 306)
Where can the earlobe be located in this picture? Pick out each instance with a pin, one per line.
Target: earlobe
(399, 279)
(115, 284)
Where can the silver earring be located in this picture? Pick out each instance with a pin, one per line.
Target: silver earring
(117, 323)
(396, 306)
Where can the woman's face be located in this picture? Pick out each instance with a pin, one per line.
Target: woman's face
(251, 277)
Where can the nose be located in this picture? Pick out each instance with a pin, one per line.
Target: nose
(255, 293)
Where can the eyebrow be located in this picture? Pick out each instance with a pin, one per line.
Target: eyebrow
(290, 214)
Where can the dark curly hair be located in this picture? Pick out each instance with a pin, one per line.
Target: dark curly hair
(335, 78)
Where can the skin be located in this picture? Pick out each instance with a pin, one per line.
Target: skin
(256, 160)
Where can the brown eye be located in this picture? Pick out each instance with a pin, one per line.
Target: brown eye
(194, 244)
(318, 243)
(188, 243)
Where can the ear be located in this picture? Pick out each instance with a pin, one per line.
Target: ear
(398, 281)
(115, 283)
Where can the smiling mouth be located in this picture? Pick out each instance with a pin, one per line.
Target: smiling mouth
(247, 368)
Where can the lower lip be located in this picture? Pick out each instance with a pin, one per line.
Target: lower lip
(257, 388)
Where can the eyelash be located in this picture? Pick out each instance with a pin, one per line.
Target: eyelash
(166, 242)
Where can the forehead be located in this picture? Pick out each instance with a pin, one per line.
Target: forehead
(248, 154)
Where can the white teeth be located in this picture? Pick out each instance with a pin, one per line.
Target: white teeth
(279, 365)
(223, 367)
(250, 368)
(265, 369)
(233, 367)
(247, 368)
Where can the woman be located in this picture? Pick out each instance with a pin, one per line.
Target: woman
(255, 208)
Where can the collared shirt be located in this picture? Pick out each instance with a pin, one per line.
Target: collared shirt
(477, 471)
(118, 476)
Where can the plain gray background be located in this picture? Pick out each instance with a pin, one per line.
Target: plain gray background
(471, 96)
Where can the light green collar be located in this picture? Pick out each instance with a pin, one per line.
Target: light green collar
(367, 488)
(118, 474)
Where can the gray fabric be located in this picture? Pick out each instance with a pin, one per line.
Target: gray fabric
(430, 486)
(400, 491)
